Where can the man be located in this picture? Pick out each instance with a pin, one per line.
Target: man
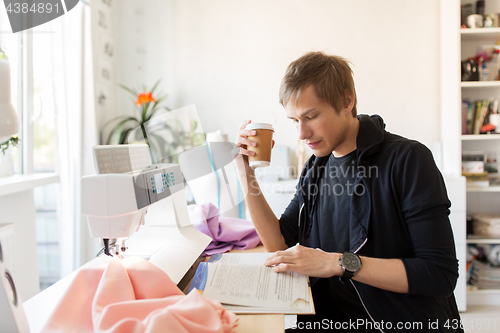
(370, 215)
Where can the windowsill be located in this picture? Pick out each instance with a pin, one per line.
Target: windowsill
(19, 183)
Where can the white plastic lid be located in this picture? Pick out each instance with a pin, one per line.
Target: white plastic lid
(253, 126)
(259, 164)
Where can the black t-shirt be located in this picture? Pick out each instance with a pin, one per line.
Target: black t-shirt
(333, 299)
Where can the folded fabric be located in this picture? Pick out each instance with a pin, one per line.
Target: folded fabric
(227, 233)
(133, 295)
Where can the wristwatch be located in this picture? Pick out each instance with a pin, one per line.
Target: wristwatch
(350, 263)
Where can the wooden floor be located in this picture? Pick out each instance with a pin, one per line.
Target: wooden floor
(481, 319)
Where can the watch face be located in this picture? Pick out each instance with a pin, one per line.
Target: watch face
(351, 262)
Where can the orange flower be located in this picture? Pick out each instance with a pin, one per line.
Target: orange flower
(144, 98)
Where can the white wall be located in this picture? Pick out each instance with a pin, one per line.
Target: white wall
(144, 48)
(228, 57)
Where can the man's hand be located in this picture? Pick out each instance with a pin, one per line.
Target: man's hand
(242, 142)
(305, 261)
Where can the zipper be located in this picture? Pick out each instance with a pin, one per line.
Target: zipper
(300, 213)
(300, 232)
(359, 248)
(357, 292)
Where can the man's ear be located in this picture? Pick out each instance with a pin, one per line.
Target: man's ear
(348, 101)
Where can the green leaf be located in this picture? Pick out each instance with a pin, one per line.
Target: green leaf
(154, 110)
(130, 90)
(156, 85)
(117, 118)
(124, 135)
(3, 55)
(145, 112)
(198, 139)
(194, 124)
(13, 141)
(158, 147)
(116, 134)
(160, 127)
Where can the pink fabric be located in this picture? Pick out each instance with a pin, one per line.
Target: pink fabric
(227, 233)
(134, 296)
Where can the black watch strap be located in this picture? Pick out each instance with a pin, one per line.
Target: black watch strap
(346, 276)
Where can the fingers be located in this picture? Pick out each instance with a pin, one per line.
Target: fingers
(244, 132)
(281, 261)
(246, 152)
(242, 140)
(279, 257)
(304, 260)
(273, 144)
(284, 268)
(244, 124)
(274, 261)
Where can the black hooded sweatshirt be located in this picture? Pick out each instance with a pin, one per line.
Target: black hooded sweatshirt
(401, 211)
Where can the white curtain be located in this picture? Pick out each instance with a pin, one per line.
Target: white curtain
(76, 129)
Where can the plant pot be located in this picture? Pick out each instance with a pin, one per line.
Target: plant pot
(7, 163)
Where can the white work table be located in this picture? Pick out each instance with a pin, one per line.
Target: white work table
(39, 308)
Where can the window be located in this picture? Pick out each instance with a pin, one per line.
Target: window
(40, 95)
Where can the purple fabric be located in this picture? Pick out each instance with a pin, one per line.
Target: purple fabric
(227, 233)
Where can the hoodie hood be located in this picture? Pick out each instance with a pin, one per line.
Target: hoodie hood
(370, 135)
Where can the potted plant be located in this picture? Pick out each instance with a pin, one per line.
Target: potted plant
(165, 136)
(6, 157)
(12, 142)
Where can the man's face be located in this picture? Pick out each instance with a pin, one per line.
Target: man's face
(319, 125)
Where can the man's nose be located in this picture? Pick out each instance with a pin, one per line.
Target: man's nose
(304, 131)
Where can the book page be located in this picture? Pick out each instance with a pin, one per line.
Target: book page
(242, 279)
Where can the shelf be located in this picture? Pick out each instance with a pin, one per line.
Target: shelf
(20, 183)
(483, 291)
(475, 137)
(479, 240)
(479, 32)
(479, 84)
(483, 188)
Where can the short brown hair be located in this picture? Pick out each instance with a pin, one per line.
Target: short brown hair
(330, 76)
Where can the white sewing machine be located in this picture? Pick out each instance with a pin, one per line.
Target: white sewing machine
(116, 199)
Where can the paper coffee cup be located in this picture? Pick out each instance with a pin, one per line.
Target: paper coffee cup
(264, 139)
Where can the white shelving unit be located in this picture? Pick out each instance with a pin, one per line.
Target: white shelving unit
(458, 44)
(481, 200)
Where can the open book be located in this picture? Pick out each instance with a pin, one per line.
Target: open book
(242, 283)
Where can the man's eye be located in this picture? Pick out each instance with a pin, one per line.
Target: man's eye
(311, 117)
